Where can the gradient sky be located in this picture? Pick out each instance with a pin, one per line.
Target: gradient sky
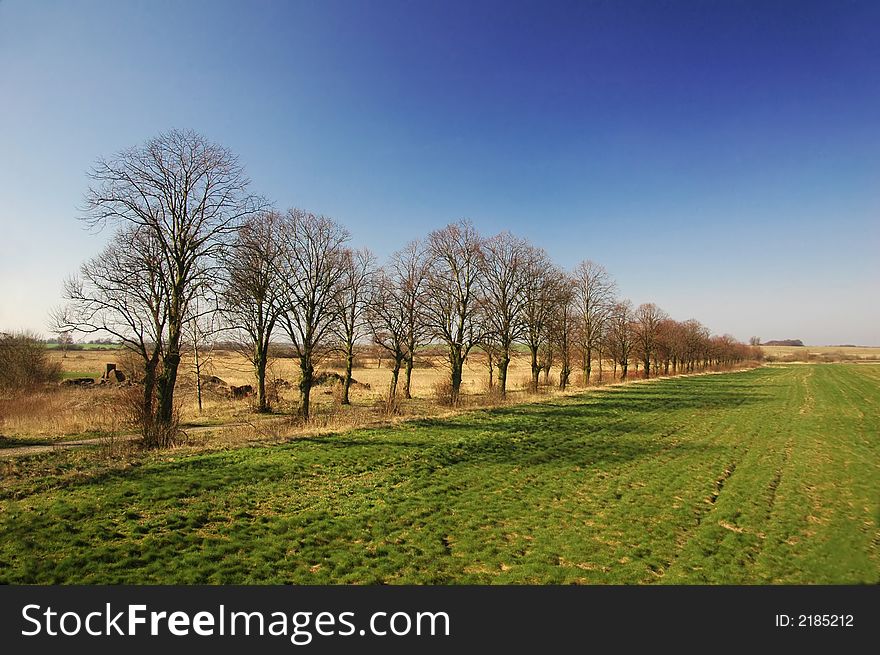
(721, 159)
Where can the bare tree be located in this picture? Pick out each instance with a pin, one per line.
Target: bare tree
(503, 292)
(540, 294)
(388, 319)
(409, 269)
(694, 340)
(189, 195)
(200, 331)
(122, 292)
(354, 298)
(648, 318)
(594, 297)
(621, 335)
(564, 328)
(312, 265)
(451, 301)
(253, 291)
(65, 341)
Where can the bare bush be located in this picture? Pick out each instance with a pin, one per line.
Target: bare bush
(24, 362)
(444, 394)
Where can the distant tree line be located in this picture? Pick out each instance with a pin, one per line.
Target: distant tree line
(190, 241)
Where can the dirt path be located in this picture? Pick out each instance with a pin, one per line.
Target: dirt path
(33, 449)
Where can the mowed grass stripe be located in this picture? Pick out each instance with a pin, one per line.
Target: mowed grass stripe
(718, 479)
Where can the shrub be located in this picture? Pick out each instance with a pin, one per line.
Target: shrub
(24, 362)
(443, 393)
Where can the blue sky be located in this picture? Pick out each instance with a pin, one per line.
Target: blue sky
(720, 158)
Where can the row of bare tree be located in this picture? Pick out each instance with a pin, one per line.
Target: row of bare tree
(191, 242)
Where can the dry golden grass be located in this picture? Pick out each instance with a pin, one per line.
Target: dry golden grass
(67, 412)
(64, 412)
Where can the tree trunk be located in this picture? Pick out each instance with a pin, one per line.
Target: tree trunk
(647, 362)
(588, 364)
(305, 386)
(536, 370)
(395, 374)
(262, 402)
(456, 360)
(563, 377)
(491, 370)
(346, 383)
(623, 367)
(149, 391)
(166, 383)
(198, 374)
(408, 377)
(503, 364)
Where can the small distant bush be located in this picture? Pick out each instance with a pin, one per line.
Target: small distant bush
(25, 362)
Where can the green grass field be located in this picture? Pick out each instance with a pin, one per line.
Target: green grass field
(767, 476)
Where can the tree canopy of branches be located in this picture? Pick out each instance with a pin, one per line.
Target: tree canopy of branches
(252, 294)
(539, 302)
(563, 327)
(122, 292)
(621, 335)
(354, 299)
(648, 319)
(593, 300)
(388, 319)
(312, 270)
(181, 198)
(504, 266)
(408, 270)
(189, 240)
(451, 302)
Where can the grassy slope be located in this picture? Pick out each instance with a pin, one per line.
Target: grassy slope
(766, 476)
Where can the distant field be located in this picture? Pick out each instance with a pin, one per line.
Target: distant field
(85, 347)
(810, 353)
(235, 369)
(64, 413)
(766, 476)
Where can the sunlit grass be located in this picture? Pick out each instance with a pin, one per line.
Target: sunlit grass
(765, 476)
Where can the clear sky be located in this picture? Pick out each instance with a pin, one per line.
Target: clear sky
(721, 159)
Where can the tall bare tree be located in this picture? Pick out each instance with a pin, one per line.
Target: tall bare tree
(122, 292)
(354, 298)
(451, 301)
(540, 295)
(564, 328)
(593, 298)
(621, 336)
(189, 195)
(504, 295)
(312, 267)
(388, 319)
(199, 333)
(409, 269)
(694, 337)
(252, 295)
(648, 318)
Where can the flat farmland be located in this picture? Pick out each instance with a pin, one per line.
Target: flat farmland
(822, 353)
(765, 476)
